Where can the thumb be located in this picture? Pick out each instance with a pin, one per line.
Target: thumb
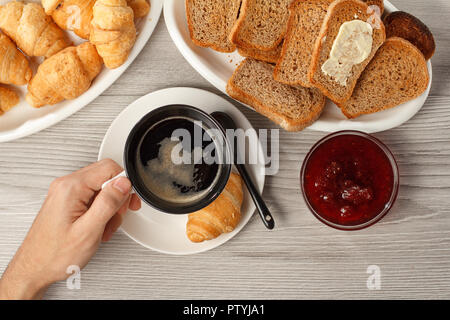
(109, 201)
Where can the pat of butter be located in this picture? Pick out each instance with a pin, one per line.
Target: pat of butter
(352, 46)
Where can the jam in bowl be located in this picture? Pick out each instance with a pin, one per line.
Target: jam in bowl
(349, 180)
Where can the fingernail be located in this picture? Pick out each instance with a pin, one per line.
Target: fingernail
(123, 185)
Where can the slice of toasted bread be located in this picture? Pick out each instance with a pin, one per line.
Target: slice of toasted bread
(378, 3)
(398, 73)
(293, 108)
(339, 12)
(305, 21)
(406, 26)
(271, 56)
(261, 24)
(211, 21)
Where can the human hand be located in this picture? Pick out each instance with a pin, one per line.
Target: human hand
(75, 217)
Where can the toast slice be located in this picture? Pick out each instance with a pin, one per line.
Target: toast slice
(211, 21)
(304, 24)
(271, 56)
(404, 25)
(378, 3)
(398, 73)
(339, 12)
(293, 108)
(261, 24)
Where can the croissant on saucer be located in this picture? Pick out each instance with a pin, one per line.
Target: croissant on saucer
(8, 99)
(66, 75)
(221, 216)
(14, 67)
(31, 29)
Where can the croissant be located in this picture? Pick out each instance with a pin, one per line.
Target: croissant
(113, 31)
(140, 7)
(14, 67)
(8, 99)
(222, 215)
(66, 75)
(31, 29)
(75, 15)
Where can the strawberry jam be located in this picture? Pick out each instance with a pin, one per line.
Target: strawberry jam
(349, 180)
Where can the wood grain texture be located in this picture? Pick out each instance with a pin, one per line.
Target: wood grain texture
(301, 259)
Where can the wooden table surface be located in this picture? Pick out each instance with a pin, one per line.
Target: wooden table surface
(301, 259)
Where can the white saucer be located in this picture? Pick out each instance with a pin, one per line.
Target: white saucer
(149, 227)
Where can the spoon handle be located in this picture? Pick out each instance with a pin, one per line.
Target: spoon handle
(226, 122)
(263, 211)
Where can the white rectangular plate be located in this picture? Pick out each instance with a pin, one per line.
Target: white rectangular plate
(24, 120)
(218, 67)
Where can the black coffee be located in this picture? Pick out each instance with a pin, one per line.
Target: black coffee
(177, 160)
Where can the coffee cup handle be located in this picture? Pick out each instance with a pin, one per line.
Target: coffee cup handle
(122, 174)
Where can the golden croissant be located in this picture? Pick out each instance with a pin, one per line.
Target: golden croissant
(113, 31)
(140, 7)
(31, 29)
(14, 67)
(8, 99)
(66, 75)
(75, 15)
(221, 216)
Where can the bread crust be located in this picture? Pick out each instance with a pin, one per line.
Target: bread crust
(379, 3)
(285, 122)
(291, 27)
(379, 38)
(203, 44)
(412, 51)
(245, 7)
(406, 26)
(267, 56)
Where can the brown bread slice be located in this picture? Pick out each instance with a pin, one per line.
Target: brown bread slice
(305, 21)
(261, 24)
(406, 26)
(379, 3)
(398, 73)
(339, 12)
(293, 108)
(210, 22)
(271, 56)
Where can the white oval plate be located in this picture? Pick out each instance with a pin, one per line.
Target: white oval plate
(24, 120)
(151, 228)
(218, 67)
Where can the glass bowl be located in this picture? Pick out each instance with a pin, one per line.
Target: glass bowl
(374, 217)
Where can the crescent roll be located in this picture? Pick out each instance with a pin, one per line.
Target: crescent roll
(31, 29)
(8, 99)
(14, 67)
(75, 15)
(140, 7)
(64, 76)
(113, 31)
(221, 216)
